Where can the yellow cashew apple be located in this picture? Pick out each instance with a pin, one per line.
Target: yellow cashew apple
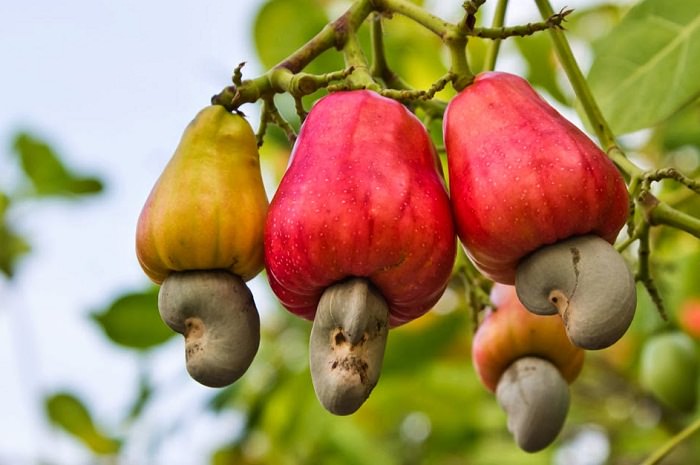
(207, 210)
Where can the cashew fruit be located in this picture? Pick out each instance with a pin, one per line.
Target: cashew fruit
(523, 182)
(207, 210)
(359, 236)
(528, 361)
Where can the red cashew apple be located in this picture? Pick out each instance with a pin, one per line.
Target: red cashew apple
(528, 361)
(538, 204)
(359, 236)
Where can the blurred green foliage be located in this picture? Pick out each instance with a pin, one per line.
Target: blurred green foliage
(429, 407)
(131, 322)
(43, 175)
(68, 412)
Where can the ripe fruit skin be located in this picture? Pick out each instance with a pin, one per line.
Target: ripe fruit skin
(689, 317)
(207, 210)
(669, 367)
(510, 332)
(362, 197)
(522, 176)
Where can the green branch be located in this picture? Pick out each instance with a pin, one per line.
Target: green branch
(437, 25)
(657, 212)
(355, 58)
(552, 22)
(333, 35)
(453, 36)
(644, 273)
(664, 450)
(495, 45)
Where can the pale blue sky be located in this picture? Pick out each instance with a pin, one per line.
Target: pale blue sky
(111, 85)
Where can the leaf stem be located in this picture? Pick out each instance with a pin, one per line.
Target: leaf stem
(585, 96)
(379, 66)
(644, 273)
(495, 45)
(663, 213)
(666, 448)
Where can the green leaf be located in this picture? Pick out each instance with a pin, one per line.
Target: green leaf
(12, 247)
(647, 68)
(682, 129)
(70, 414)
(419, 343)
(4, 203)
(132, 320)
(46, 171)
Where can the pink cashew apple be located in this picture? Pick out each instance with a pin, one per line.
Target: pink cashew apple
(359, 236)
(538, 204)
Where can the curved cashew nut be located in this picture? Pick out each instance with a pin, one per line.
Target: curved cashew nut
(587, 282)
(215, 312)
(347, 344)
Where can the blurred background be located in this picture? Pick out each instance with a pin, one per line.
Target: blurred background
(94, 98)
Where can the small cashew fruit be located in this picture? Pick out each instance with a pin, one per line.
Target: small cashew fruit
(587, 282)
(215, 312)
(535, 397)
(347, 345)
(528, 361)
(669, 369)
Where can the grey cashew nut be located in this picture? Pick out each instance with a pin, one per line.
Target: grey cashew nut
(535, 398)
(587, 282)
(215, 312)
(347, 344)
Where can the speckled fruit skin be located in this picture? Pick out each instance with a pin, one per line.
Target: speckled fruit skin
(509, 332)
(522, 176)
(362, 196)
(207, 209)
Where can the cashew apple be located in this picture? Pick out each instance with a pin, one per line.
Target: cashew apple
(359, 236)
